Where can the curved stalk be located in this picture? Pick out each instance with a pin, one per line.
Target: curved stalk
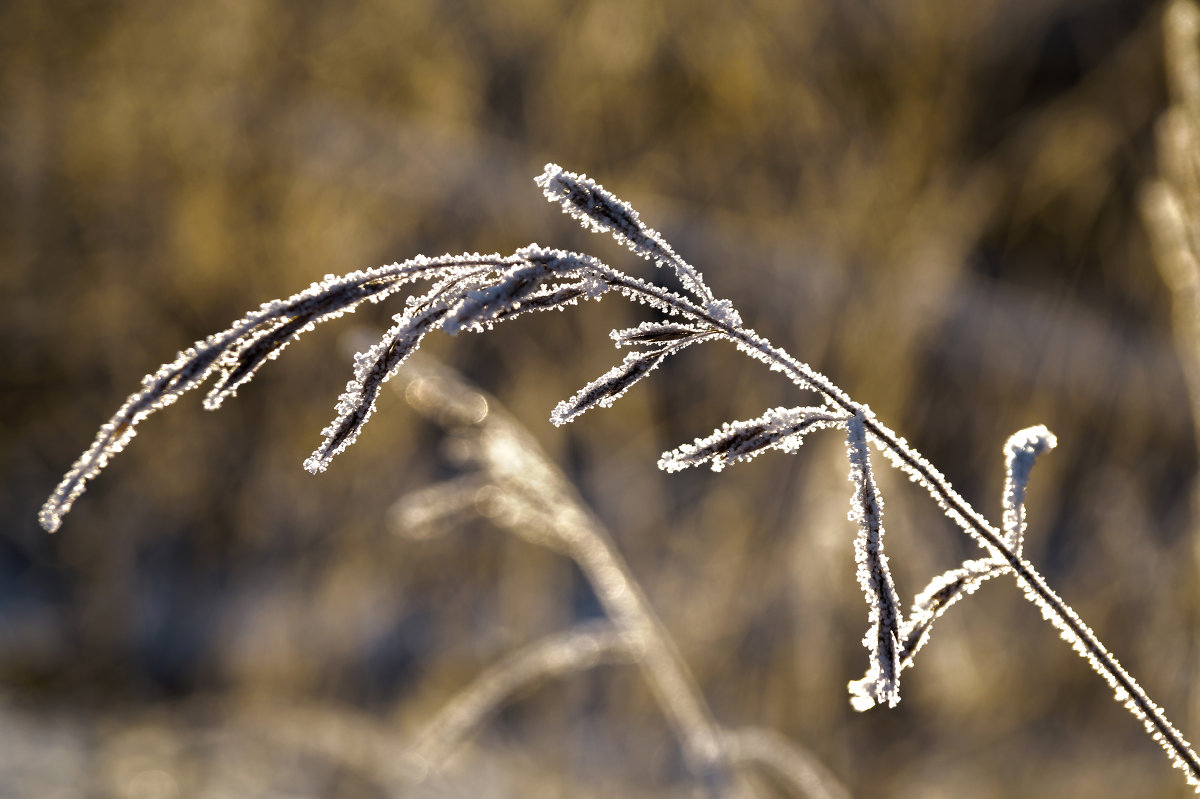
(1034, 586)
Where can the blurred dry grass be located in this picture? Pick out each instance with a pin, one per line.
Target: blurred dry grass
(934, 202)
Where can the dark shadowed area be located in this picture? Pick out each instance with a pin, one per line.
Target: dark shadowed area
(936, 204)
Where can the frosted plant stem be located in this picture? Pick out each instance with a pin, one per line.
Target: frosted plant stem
(474, 292)
(1036, 590)
(1072, 629)
(1034, 585)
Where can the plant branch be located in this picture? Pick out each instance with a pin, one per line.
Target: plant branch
(1070, 626)
(474, 292)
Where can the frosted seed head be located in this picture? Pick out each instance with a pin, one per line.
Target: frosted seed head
(943, 591)
(1020, 453)
(595, 208)
(656, 333)
(882, 681)
(372, 369)
(588, 202)
(237, 352)
(609, 387)
(779, 428)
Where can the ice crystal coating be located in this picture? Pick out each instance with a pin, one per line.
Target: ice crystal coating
(502, 296)
(881, 685)
(590, 204)
(657, 333)
(236, 352)
(608, 387)
(1020, 453)
(724, 312)
(779, 428)
(942, 592)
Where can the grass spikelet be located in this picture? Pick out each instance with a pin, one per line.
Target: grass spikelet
(881, 685)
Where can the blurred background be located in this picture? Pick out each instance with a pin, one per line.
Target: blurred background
(933, 202)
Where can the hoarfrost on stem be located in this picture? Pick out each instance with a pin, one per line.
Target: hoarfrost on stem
(779, 428)
(881, 685)
(1020, 453)
(473, 292)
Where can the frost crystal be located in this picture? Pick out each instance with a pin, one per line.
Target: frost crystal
(724, 312)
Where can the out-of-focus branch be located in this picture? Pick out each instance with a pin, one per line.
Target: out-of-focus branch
(352, 740)
(1171, 204)
(1171, 212)
(580, 648)
(791, 764)
(519, 489)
